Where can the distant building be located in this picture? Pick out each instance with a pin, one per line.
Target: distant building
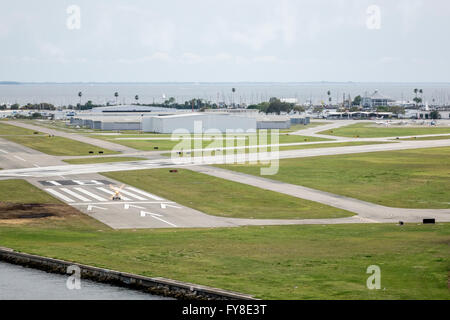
(204, 121)
(376, 100)
(425, 114)
(290, 100)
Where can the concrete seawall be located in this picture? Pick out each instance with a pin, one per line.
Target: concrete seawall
(156, 286)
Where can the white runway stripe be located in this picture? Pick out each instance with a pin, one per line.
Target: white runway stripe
(59, 195)
(152, 196)
(74, 194)
(110, 192)
(54, 183)
(20, 158)
(90, 194)
(171, 224)
(133, 195)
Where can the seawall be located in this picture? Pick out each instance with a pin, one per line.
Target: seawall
(157, 286)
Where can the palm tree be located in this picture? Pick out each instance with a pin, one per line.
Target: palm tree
(80, 94)
(329, 96)
(416, 99)
(116, 94)
(136, 97)
(233, 90)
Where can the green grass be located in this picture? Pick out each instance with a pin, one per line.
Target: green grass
(371, 130)
(428, 138)
(102, 160)
(62, 126)
(298, 147)
(10, 130)
(216, 196)
(56, 146)
(332, 145)
(20, 191)
(279, 262)
(417, 178)
(297, 127)
(167, 145)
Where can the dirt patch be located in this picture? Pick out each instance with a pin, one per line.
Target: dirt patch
(35, 210)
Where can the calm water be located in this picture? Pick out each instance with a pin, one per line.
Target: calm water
(19, 283)
(65, 94)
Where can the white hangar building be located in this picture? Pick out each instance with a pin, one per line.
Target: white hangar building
(221, 122)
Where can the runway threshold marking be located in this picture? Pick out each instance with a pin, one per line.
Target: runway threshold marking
(152, 196)
(3, 151)
(120, 202)
(110, 192)
(132, 195)
(59, 195)
(54, 183)
(96, 197)
(74, 194)
(88, 182)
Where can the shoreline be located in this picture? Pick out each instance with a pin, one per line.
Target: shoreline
(156, 286)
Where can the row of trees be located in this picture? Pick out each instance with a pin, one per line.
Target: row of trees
(275, 105)
(196, 104)
(30, 106)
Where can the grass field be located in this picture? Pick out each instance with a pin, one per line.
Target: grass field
(102, 160)
(288, 262)
(20, 191)
(428, 138)
(370, 130)
(62, 126)
(56, 146)
(332, 145)
(10, 130)
(417, 178)
(279, 262)
(224, 198)
(297, 127)
(298, 147)
(166, 145)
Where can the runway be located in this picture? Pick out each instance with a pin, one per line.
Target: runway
(64, 170)
(82, 187)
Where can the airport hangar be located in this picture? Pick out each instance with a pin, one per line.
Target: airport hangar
(166, 120)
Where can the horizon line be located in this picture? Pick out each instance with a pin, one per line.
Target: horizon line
(221, 82)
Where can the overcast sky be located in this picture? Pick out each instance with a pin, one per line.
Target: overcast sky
(233, 40)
